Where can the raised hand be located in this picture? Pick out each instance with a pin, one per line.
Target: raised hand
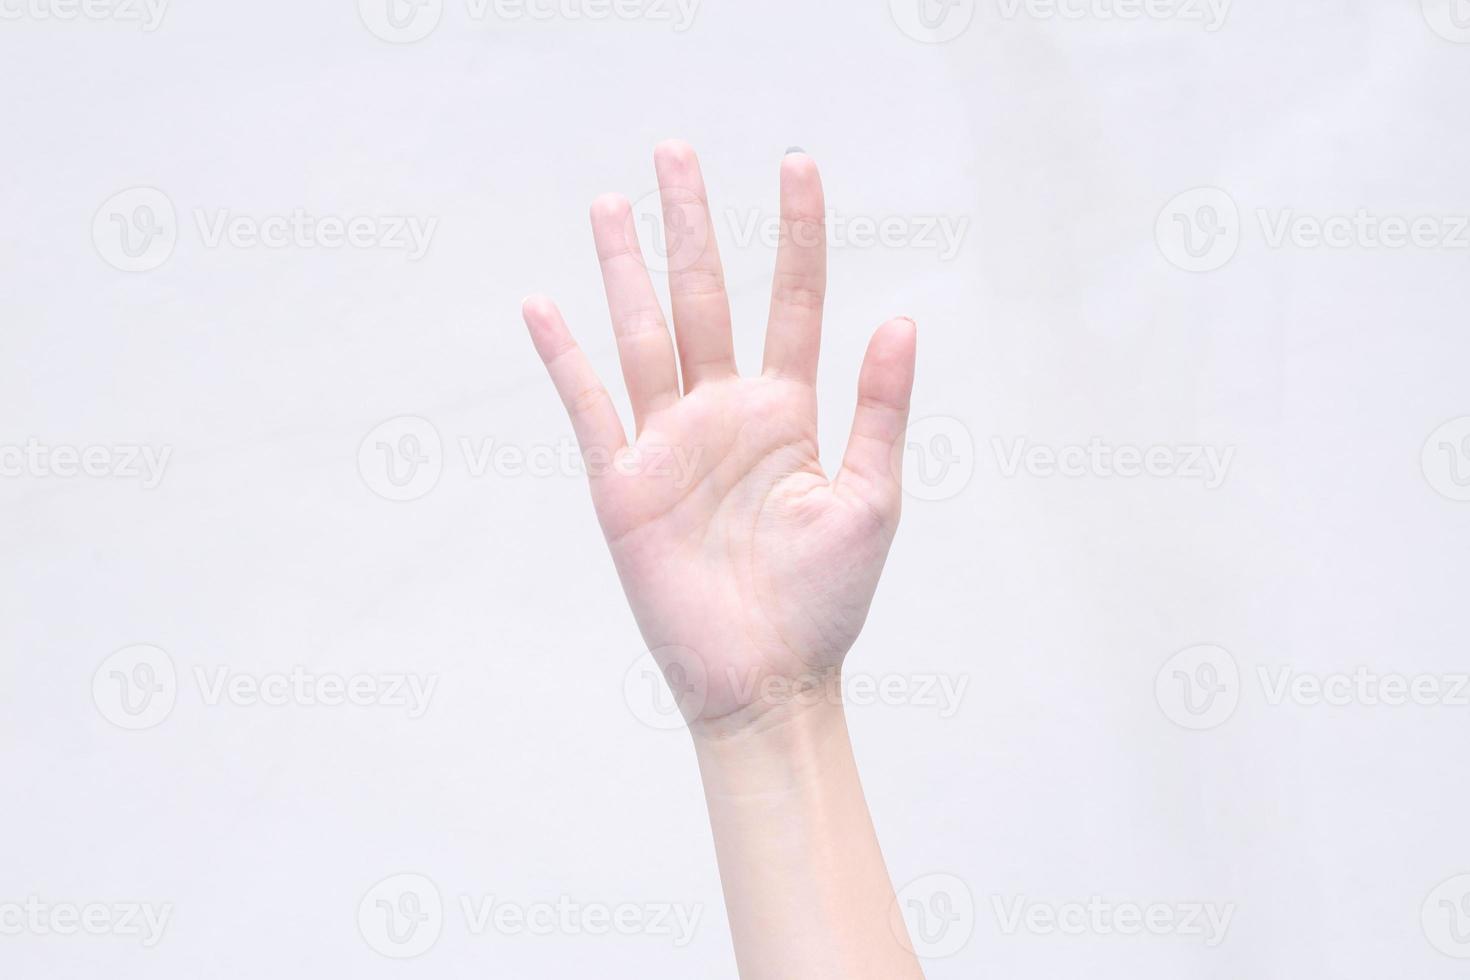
(749, 570)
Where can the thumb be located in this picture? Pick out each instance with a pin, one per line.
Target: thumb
(872, 467)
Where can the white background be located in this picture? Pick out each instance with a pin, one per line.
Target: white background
(1063, 775)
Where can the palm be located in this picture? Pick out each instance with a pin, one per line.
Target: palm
(741, 551)
(747, 569)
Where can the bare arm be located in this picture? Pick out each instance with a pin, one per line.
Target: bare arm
(805, 885)
(749, 570)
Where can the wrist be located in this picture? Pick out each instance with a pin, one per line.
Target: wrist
(780, 743)
(775, 707)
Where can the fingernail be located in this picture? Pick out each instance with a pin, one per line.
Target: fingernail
(794, 149)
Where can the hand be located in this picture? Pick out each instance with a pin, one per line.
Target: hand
(749, 571)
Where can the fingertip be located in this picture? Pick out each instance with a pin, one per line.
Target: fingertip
(802, 198)
(537, 308)
(543, 320)
(887, 374)
(672, 154)
(798, 167)
(609, 208)
(898, 336)
(904, 326)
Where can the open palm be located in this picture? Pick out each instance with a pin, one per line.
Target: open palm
(749, 571)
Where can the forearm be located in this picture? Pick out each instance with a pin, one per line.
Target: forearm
(747, 551)
(805, 885)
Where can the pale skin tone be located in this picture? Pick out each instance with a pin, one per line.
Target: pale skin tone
(749, 569)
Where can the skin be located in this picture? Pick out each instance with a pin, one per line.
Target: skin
(749, 570)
